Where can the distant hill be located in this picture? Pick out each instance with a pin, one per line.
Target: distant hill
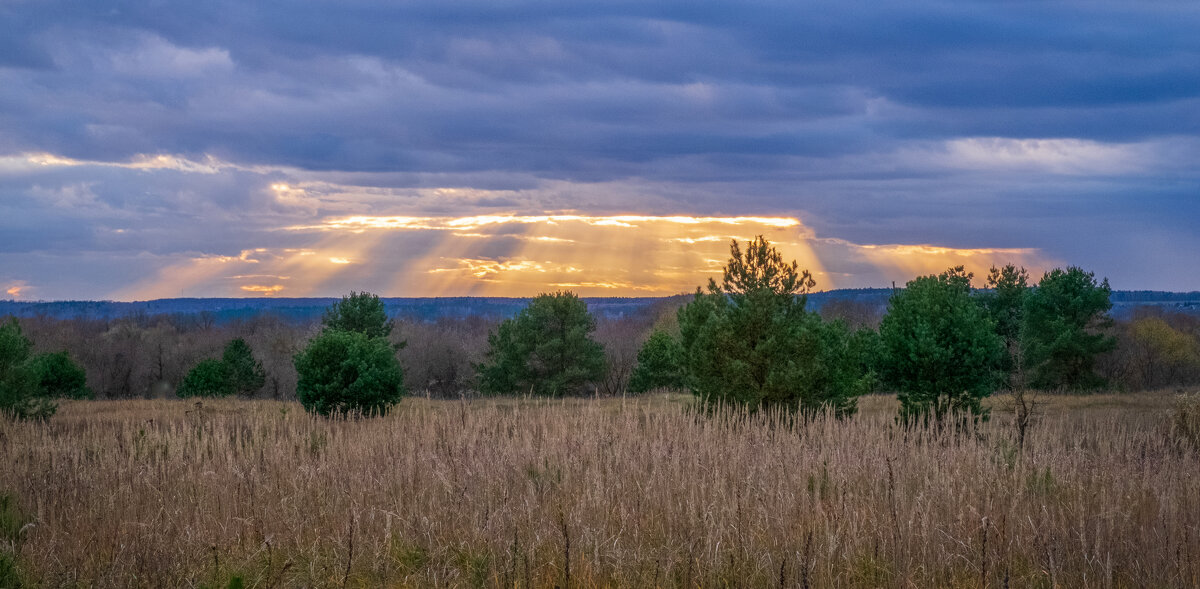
(303, 310)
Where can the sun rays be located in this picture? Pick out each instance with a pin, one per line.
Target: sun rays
(522, 255)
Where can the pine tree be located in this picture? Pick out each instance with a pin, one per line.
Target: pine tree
(547, 349)
(20, 396)
(1066, 323)
(657, 364)
(941, 350)
(246, 374)
(749, 341)
(348, 372)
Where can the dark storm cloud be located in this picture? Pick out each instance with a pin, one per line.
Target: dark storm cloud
(859, 116)
(554, 87)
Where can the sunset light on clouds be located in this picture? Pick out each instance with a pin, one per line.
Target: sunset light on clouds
(514, 255)
(431, 149)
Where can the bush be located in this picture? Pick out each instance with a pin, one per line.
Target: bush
(546, 349)
(348, 372)
(750, 342)
(941, 350)
(58, 376)
(209, 378)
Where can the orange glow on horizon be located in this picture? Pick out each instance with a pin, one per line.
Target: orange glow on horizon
(263, 290)
(522, 255)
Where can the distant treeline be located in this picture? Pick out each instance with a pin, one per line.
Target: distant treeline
(224, 311)
(304, 310)
(144, 355)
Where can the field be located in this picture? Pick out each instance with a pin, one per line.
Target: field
(583, 493)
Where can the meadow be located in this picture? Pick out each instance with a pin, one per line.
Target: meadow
(633, 492)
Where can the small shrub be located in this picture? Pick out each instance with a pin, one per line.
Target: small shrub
(58, 376)
(209, 378)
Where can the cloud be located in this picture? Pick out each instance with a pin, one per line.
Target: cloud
(16, 288)
(556, 91)
(144, 137)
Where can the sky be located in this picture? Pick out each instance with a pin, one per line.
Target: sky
(502, 148)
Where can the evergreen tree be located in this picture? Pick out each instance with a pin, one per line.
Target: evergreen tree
(208, 378)
(750, 342)
(547, 349)
(236, 372)
(58, 376)
(1005, 304)
(348, 372)
(1066, 318)
(657, 364)
(20, 397)
(941, 351)
(362, 312)
(246, 374)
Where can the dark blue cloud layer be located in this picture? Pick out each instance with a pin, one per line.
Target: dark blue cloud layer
(846, 113)
(476, 86)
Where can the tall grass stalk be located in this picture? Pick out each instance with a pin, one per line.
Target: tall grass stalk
(596, 493)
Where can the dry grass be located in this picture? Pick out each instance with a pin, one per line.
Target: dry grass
(598, 493)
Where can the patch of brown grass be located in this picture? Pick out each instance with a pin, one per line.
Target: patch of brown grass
(633, 492)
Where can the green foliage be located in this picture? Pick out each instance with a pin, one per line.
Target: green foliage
(14, 346)
(20, 397)
(361, 312)
(246, 375)
(658, 364)
(209, 378)
(235, 582)
(750, 342)
(348, 372)
(236, 372)
(1005, 304)
(547, 349)
(940, 349)
(1065, 319)
(10, 574)
(12, 519)
(12, 522)
(58, 376)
